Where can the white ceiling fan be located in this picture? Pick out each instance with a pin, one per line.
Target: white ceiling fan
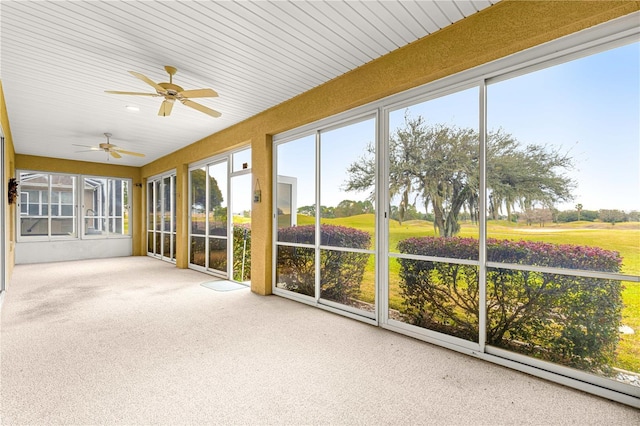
(109, 148)
(172, 92)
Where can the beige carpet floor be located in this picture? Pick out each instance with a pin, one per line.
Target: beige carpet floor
(136, 341)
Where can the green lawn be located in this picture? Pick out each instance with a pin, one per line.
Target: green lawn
(623, 237)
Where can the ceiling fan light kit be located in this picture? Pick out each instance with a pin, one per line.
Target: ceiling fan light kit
(172, 92)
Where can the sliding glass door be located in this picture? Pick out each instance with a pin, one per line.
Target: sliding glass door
(433, 189)
(220, 219)
(326, 223)
(498, 213)
(161, 217)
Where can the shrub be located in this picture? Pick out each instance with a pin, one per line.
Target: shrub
(240, 234)
(560, 318)
(341, 272)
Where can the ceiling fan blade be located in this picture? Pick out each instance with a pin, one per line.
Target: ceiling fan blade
(148, 81)
(116, 92)
(88, 150)
(114, 154)
(92, 148)
(122, 151)
(199, 93)
(200, 108)
(165, 108)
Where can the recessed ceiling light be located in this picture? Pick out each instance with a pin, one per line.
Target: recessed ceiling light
(132, 108)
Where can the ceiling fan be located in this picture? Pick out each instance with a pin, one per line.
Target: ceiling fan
(109, 148)
(172, 92)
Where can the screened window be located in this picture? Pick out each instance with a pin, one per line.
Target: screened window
(47, 205)
(105, 203)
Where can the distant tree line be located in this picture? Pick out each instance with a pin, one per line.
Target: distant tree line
(542, 216)
(533, 216)
(345, 208)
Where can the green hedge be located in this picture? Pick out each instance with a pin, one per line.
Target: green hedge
(341, 272)
(560, 318)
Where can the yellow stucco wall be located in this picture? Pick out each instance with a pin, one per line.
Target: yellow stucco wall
(498, 31)
(57, 165)
(9, 172)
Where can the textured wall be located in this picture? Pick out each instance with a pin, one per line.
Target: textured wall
(9, 172)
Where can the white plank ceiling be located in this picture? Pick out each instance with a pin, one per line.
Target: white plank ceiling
(58, 58)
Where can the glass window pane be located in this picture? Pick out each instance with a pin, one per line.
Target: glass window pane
(296, 188)
(34, 226)
(564, 160)
(439, 296)
(158, 204)
(573, 321)
(126, 230)
(348, 278)
(241, 160)
(32, 187)
(150, 206)
(158, 241)
(150, 243)
(295, 269)
(166, 245)
(217, 202)
(347, 183)
(95, 201)
(434, 170)
(197, 252)
(198, 180)
(218, 254)
(166, 203)
(173, 205)
(62, 227)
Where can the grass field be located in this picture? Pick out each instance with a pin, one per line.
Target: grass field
(623, 237)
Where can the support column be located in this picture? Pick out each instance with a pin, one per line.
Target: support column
(261, 253)
(182, 216)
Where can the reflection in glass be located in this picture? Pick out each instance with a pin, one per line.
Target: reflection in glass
(295, 269)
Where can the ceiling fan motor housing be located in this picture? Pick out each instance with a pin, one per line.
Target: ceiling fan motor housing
(172, 89)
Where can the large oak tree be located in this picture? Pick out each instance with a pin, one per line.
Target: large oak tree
(438, 165)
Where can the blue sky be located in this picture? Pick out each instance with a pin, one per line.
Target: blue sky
(589, 108)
